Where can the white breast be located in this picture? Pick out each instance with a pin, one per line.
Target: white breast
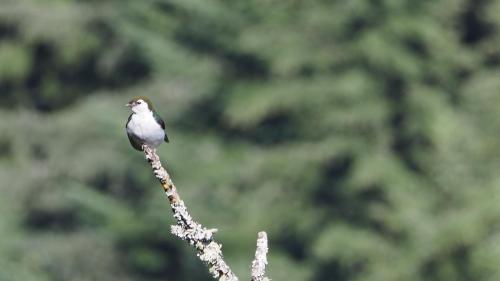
(145, 127)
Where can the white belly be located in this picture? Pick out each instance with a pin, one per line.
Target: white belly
(145, 127)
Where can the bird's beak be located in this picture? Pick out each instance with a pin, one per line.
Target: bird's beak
(128, 105)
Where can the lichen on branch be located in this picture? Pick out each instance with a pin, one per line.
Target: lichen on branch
(260, 262)
(201, 238)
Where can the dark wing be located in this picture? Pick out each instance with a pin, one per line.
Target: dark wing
(162, 124)
(134, 141)
(128, 120)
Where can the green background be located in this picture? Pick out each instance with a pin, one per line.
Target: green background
(362, 135)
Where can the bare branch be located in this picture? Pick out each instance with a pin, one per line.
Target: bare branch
(186, 228)
(260, 261)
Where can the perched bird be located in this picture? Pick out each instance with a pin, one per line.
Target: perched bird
(144, 125)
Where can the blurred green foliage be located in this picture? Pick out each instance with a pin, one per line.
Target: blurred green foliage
(362, 135)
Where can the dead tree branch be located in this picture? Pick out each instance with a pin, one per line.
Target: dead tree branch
(260, 261)
(201, 238)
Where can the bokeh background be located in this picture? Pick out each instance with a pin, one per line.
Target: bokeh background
(362, 135)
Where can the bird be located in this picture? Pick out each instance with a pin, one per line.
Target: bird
(144, 125)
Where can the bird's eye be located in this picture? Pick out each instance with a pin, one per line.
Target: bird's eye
(139, 102)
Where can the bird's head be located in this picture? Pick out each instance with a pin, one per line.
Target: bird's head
(140, 104)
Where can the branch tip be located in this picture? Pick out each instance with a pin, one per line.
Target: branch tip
(260, 262)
